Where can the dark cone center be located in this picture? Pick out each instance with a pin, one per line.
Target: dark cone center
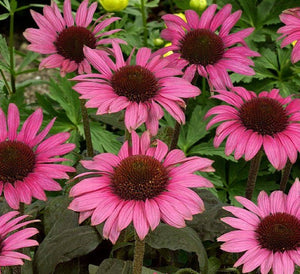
(71, 40)
(135, 82)
(264, 115)
(279, 232)
(139, 177)
(17, 160)
(201, 47)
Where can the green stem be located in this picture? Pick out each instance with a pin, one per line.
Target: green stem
(6, 83)
(144, 18)
(285, 175)
(253, 171)
(139, 251)
(86, 128)
(11, 52)
(175, 136)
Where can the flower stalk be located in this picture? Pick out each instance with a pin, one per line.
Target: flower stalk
(144, 18)
(139, 251)
(285, 175)
(253, 171)
(86, 129)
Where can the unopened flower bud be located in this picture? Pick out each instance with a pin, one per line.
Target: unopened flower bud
(114, 5)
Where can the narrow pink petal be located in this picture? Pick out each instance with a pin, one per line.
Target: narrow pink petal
(175, 156)
(277, 202)
(238, 223)
(52, 61)
(119, 55)
(254, 144)
(267, 263)
(249, 205)
(140, 222)
(9, 261)
(13, 121)
(135, 149)
(90, 13)
(104, 209)
(220, 17)
(96, 60)
(207, 16)
(229, 23)
(11, 196)
(126, 215)
(152, 213)
(272, 151)
(263, 203)
(243, 214)
(68, 13)
(81, 13)
(238, 246)
(192, 18)
(3, 129)
(143, 56)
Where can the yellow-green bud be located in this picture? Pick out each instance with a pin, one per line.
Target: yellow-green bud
(158, 42)
(198, 5)
(114, 5)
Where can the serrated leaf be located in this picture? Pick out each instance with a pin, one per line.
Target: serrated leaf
(194, 130)
(250, 10)
(186, 238)
(4, 49)
(208, 224)
(103, 140)
(207, 149)
(64, 246)
(268, 58)
(61, 91)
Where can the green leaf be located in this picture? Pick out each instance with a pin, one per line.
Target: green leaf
(214, 265)
(5, 4)
(182, 4)
(268, 59)
(186, 238)
(103, 140)
(61, 91)
(4, 51)
(208, 224)
(57, 217)
(207, 149)
(29, 58)
(194, 130)
(3, 16)
(113, 266)
(4, 66)
(250, 10)
(65, 246)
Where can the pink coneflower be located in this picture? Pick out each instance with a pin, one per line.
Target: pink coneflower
(142, 184)
(198, 46)
(291, 31)
(64, 40)
(27, 160)
(141, 88)
(253, 122)
(9, 242)
(269, 232)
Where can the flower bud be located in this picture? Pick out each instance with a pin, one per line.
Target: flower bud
(114, 5)
(198, 5)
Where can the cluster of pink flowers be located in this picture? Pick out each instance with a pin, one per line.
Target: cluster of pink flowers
(146, 182)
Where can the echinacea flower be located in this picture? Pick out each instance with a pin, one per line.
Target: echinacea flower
(27, 160)
(198, 46)
(291, 31)
(142, 184)
(141, 88)
(11, 241)
(269, 232)
(63, 39)
(252, 122)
